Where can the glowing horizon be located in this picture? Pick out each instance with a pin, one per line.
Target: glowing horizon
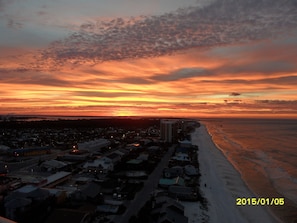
(182, 59)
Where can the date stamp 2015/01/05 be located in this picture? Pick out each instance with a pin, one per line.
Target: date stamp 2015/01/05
(256, 201)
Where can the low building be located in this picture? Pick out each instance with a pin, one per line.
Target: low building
(136, 174)
(181, 157)
(67, 215)
(94, 145)
(114, 157)
(56, 179)
(25, 200)
(166, 183)
(191, 171)
(16, 207)
(53, 165)
(76, 156)
(167, 210)
(182, 193)
(88, 192)
(30, 151)
(122, 152)
(143, 156)
(101, 165)
(59, 195)
(108, 208)
(185, 143)
(173, 172)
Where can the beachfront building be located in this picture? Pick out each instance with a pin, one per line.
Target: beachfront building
(181, 157)
(182, 193)
(173, 172)
(185, 143)
(169, 129)
(167, 210)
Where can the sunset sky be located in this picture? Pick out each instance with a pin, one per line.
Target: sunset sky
(183, 58)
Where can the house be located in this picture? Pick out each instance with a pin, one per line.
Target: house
(56, 179)
(76, 156)
(182, 193)
(190, 170)
(122, 152)
(143, 156)
(114, 157)
(154, 148)
(185, 143)
(101, 165)
(67, 215)
(89, 192)
(16, 207)
(133, 146)
(94, 145)
(181, 157)
(166, 183)
(53, 165)
(21, 203)
(173, 172)
(108, 208)
(167, 210)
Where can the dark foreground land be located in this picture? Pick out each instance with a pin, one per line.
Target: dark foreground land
(97, 170)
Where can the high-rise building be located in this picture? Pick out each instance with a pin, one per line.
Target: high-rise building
(168, 129)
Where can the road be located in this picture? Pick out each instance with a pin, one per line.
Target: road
(142, 196)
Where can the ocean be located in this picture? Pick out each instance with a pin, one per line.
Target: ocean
(265, 154)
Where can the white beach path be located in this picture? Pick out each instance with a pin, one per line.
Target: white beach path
(223, 185)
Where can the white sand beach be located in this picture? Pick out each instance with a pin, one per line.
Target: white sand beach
(221, 184)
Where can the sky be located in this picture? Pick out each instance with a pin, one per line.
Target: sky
(173, 58)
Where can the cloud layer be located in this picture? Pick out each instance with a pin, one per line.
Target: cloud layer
(229, 57)
(223, 22)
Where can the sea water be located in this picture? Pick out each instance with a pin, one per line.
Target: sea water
(265, 154)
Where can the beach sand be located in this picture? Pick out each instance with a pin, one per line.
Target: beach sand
(221, 184)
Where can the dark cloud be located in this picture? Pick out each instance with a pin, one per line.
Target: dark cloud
(133, 80)
(14, 24)
(235, 94)
(181, 74)
(104, 94)
(3, 4)
(21, 76)
(223, 22)
(264, 67)
(268, 82)
(289, 106)
(42, 13)
(278, 102)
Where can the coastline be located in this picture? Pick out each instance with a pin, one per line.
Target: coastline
(221, 184)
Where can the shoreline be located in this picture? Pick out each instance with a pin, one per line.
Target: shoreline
(221, 183)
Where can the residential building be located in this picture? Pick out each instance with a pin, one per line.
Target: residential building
(103, 165)
(168, 130)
